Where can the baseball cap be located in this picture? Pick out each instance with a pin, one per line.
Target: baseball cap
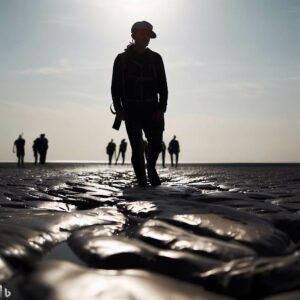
(143, 25)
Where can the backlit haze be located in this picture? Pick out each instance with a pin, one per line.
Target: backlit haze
(233, 71)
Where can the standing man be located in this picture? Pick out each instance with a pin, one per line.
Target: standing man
(35, 148)
(138, 78)
(122, 151)
(19, 145)
(42, 148)
(110, 150)
(174, 149)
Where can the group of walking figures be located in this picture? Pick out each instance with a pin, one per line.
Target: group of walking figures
(111, 151)
(39, 147)
(173, 150)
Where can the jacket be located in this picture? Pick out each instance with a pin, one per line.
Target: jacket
(138, 79)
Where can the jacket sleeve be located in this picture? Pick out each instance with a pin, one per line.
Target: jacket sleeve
(116, 83)
(162, 84)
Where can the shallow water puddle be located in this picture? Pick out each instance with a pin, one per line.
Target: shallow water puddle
(63, 252)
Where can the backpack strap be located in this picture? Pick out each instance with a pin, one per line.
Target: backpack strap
(153, 66)
(123, 64)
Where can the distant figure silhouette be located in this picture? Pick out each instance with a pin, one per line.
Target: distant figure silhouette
(163, 153)
(19, 145)
(35, 148)
(139, 92)
(174, 149)
(42, 146)
(122, 151)
(110, 150)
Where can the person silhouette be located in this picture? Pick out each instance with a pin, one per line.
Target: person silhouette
(138, 78)
(35, 148)
(174, 149)
(122, 151)
(42, 146)
(163, 154)
(19, 147)
(110, 150)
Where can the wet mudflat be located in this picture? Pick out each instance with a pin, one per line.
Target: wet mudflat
(75, 231)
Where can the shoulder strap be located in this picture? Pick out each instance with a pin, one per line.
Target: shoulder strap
(153, 64)
(123, 63)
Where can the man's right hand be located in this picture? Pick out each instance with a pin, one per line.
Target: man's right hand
(121, 115)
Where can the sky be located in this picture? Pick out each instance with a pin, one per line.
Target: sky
(232, 66)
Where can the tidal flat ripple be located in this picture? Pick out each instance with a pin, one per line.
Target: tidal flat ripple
(85, 231)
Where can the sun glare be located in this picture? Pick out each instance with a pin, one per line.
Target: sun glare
(124, 11)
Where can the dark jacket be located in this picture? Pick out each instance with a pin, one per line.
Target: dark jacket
(20, 145)
(138, 79)
(110, 148)
(174, 146)
(123, 147)
(42, 144)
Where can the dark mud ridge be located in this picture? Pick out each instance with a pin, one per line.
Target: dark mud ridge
(209, 232)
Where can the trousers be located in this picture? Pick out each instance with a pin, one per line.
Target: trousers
(137, 123)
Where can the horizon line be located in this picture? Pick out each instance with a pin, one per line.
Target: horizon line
(129, 163)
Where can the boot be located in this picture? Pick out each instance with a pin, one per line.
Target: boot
(153, 176)
(140, 174)
(142, 180)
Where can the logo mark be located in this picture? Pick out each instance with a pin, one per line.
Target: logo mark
(4, 292)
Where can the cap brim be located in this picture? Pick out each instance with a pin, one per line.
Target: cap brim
(153, 35)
